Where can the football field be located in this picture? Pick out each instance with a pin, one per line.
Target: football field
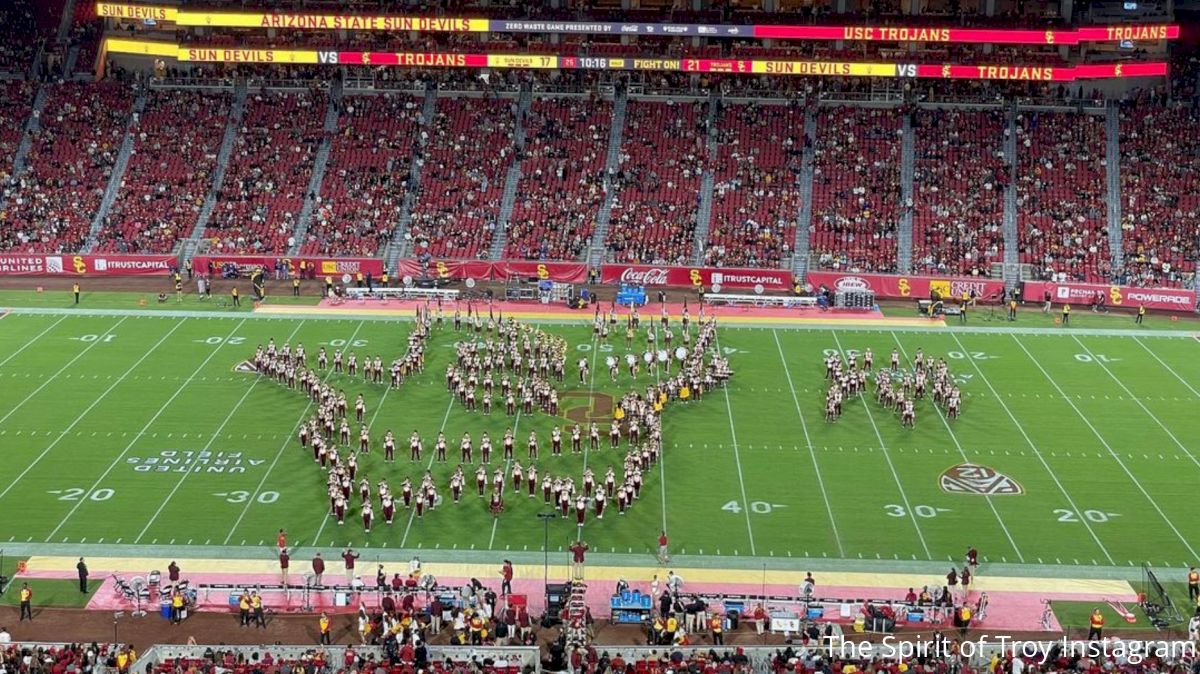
(1074, 447)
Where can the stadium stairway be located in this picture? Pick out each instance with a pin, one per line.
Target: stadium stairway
(595, 252)
(188, 247)
(69, 62)
(19, 159)
(804, 217)
(320, 161)
(65, 22)
(1012, 242)
(118, 171)
(904, 232)
(1112, 156)
(513, 177)
(704, 211)
(396, 245)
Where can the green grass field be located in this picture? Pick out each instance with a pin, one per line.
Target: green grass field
(100, 416)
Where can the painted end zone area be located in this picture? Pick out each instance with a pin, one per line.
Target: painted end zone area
(532, 311)
(1015, 603)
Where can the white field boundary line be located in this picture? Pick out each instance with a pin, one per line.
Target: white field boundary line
(591, 389)
(736, 454)
(215, 434)
(84, 413)
(811, 451)
(1116, 457)
(1139, 403)
(32, 341)
(963, 453)
(912, 515)
(1160, 361)
(62, 369)
(179, 389)
(433, 455)
(1036, 451)
(370, 424)
(279, 453)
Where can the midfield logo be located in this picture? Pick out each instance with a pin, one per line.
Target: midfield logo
(970, 478)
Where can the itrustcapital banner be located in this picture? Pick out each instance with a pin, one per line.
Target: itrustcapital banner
(1165, 299)
(915, 287)
(19, 264)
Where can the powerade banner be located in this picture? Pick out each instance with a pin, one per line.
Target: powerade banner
(323, 266)
(367, 22)
(914, 287)
(545, 61)
(1166, 299)
(728, 278)
(482, 270)
(18, 264)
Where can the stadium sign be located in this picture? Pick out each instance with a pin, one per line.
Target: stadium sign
(1163, 299)
(186, 461)
(20, 264)
(904, 287)
(695, 277)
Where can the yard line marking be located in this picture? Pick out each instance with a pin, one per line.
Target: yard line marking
(1160, 361)
(1104, 442)
(888, 457)
(1036, 451)
(62, 369)
(954, 437)
(85, 412)
(812, 452)
(1138, 401)
(736, 455)
(33, 341)
(125, 451)
(233, 410)
(267, 474)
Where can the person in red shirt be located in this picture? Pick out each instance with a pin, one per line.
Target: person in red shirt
(348, 557)
(577, 552)
(506, 575)
(663, 557)
(281, 540)
(760, 619)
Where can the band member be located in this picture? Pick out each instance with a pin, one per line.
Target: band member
(580, 510)
(600, 501)
(517, 476)
(465, 447)
(360, 408)
(508, 444)
(389, 447)
(480, 480)
(339, 508)
(440, 448)
(531, 479)
(594, 436)
(367, 516)
(614, 435)
(364, 440)
(533, 445)
(576, 434)
(389, 508)
(610, 481)
(556, 442)
(414, 446)
(344, 432)
(485, 448)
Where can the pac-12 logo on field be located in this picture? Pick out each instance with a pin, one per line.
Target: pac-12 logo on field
(970, 478)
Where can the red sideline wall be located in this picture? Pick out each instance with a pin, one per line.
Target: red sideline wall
(1165, 299)
(325, 266)
(21, 264)
(904, 287)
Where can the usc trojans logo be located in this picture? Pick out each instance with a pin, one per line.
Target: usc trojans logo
(1119, 71)
(694, 275)
(1049, 37)
(542, 272)
(442, 270)
(946, 71)
(905, 288)
(79, 265)
(1114, 295)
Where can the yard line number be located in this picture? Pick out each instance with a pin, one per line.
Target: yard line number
(343, 342)
(925, 511)
(77, 494)
(756, 507)
(1095, 516)
(97, 338)
(240, 496)
(1094, 358)
(223, 340)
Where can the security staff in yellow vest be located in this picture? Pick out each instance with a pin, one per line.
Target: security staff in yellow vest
(256, 605)
(244, 608)
(329, 286)
(717, 625)
(476, 630)
(237, 300)
(383, 279)
(658, 631)
(324, 625)
(1141, 314)
(1096, 625)
(1066, 315)
(296, 286)
(358, 279)
(26, 602)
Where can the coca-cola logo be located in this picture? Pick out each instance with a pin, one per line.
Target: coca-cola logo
(847, 284)
(654, 276)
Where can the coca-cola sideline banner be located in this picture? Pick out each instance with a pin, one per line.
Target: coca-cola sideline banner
(323, 266)
(1166, 299)
(482, 270)
(19, 264)
(686, 277)
(917, 287)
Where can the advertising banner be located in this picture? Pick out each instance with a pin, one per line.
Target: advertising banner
(482, 270)
(20, 264)
(904, 287)
(1165, 299)
(321, 266)
(729, 278)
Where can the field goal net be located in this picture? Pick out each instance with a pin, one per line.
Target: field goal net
(1158, 606)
